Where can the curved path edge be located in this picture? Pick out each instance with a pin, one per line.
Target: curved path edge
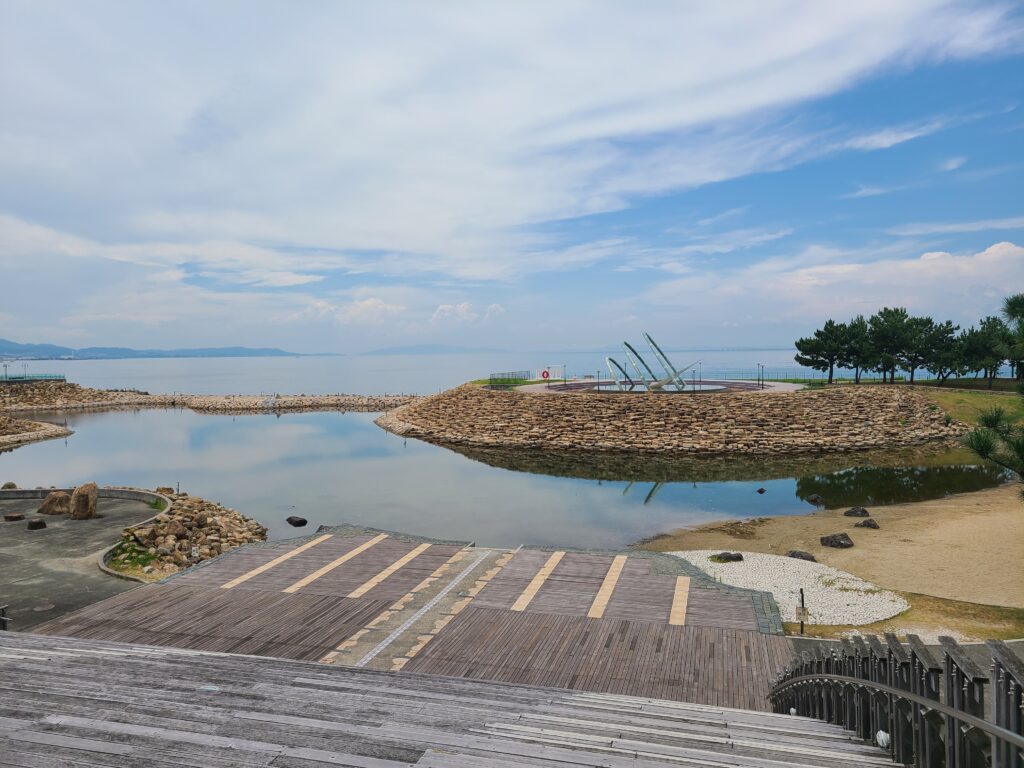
(131, 494)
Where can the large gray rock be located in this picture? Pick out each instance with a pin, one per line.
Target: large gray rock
(856, 512)
(83, 502)
(55, 503)
(728, 557)
(869, 523)
(799, 554)
(837, 540)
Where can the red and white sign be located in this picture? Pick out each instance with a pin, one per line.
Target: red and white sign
(545, 374)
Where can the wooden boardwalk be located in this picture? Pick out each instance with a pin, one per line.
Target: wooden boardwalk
(249, 603)
(596, 622)
(97, 704)
(709, 665)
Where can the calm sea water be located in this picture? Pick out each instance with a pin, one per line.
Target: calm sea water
(333, 468)
(372, 374)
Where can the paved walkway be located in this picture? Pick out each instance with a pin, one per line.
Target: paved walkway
(558, 387)
(48, 573)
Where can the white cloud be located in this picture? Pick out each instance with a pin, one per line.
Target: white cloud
(942, 227)
(891, 136)
(424, 137)
(457, 313)
(952, 163)
(865, 191)
(369, 310)
(961, 286)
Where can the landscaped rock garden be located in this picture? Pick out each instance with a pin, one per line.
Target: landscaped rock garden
(832, 596)
(191, 531)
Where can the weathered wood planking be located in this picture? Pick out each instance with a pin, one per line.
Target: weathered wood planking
(577, 582)
(80, 702)
(707, 665)
(340, 581)
(291, 626)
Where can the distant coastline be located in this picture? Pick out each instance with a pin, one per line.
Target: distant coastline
(11, 349)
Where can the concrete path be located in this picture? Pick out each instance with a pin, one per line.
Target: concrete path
(557, 386)
(45, 574)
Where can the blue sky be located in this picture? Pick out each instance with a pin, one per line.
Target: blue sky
(340, 177)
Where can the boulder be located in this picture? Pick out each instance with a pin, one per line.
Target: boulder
(13, 517)
(176, 529)
(8, 486)
(296, 521)
(856, 512)
(762, 490)
(36, 524)
(83, 502)
(728, 557)
(55, 503)
(816, 499)
(837, 540)
(163, 490)
(799, 554)
(869, 523)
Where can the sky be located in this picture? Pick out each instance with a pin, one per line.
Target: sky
(340, 177)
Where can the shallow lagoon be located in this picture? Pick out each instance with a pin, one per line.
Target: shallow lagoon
(334, 467)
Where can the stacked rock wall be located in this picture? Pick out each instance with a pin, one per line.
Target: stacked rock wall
(53, 395)
(842, 418)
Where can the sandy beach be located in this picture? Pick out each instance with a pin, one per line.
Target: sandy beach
(965, 547)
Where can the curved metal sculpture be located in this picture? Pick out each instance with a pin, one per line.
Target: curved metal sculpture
(613, 366)
(645, 376)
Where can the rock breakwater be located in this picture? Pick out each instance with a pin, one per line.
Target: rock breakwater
(52, 395)
(15, 432)
(842, 418)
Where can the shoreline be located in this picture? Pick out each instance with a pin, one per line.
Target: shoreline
(962, 547)
(40, 431)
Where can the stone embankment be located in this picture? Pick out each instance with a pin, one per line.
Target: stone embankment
(191, 531)
(15, 432)
(830, 419)
(65, 396)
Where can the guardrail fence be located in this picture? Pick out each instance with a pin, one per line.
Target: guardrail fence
(927, 713)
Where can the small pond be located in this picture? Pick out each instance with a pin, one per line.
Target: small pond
(333, 468)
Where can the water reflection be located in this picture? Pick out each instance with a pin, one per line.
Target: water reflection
(332, 468)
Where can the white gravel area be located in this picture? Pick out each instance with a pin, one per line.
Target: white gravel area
(832, 596)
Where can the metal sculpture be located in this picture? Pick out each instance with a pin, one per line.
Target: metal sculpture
(673, 377)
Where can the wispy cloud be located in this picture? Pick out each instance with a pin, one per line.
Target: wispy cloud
(945, 227)
(428, 142)
(952, 163)
(866, 191)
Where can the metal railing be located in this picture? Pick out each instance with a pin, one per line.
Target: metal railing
(4, 376)
(926, 713)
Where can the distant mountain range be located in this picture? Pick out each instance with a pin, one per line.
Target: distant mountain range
(431, 349)
(55, 352)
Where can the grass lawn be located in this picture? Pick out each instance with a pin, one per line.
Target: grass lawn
(998, 385)
(965, 405)
(933, 615)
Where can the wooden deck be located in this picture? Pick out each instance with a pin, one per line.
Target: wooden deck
(249, 602)
(596, 622)
(709, 665)
(87, 703)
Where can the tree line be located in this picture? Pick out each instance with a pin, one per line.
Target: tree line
(892, 340)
